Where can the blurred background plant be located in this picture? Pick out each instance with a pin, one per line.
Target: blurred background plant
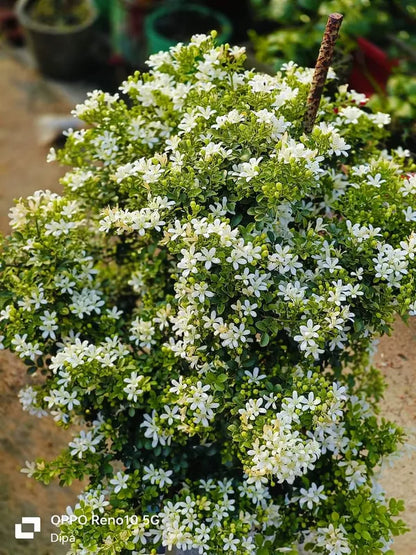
(60, 12)
(376, 51)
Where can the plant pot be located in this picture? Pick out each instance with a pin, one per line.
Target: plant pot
(60, 52)
(168, 25)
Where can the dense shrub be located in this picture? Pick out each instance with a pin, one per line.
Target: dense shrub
(203, 301)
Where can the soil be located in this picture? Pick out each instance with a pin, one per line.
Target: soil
(23, 170)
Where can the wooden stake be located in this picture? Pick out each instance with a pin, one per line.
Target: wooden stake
(326, 53)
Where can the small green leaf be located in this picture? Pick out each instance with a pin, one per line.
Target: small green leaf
(265, 338)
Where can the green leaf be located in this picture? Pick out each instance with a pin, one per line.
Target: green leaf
(265, 338)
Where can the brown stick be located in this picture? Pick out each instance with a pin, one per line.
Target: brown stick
(321, 70)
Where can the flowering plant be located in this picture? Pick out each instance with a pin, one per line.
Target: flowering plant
(195, 299)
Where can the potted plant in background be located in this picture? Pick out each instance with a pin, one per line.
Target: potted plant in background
(60, 34)
(203, 299)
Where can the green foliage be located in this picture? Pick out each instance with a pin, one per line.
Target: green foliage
(203, 302)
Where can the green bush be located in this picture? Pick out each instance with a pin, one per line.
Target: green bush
(203, 300)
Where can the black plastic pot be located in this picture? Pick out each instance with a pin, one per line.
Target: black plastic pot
(60, 52)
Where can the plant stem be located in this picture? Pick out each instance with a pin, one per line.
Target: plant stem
(321, 70)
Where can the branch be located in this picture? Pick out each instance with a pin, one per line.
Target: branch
(326, 53)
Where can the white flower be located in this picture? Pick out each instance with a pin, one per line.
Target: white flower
(29, 468)
(155, 61)
(93, 101)
(355, 473)
(409, 214)
(262, 83)
(291, 150)
(329, 263)
(359, 98)
(237, 51)
(247, 170)
(178, 386)
(231, 118)
(230, 543)
(248, 309)
(254, 375)
(132, 388)
(292, 291)
(219, 208)
(154, 431)
(277, 125)
(208, 257)
(25, 348)
(206, 112)
(313, 350)
(106, 147)
(5, 313)
(362, 233)
(252, 409)
(49, 325)
(114, 313)
(311, 496)
(380, 119)
(307, 334)
(375, 181)
(28, 399)
(189, 121)
(289, 66)
(285, 93)
(338, 145)
(124, 171)
(157, 476)
(332, 539)
(310, 402)
(351, 114)
(283, 260)
(83, 443)
(188, 261)
(86, 302)
(57, 228)
(63, 398)
(201, 291)
(51, 156)
(233, 335)
(64, 283)
(402, 152)
(119, 481)
(142, 332)
(408, 186)
(211, 149)
(97, 502)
